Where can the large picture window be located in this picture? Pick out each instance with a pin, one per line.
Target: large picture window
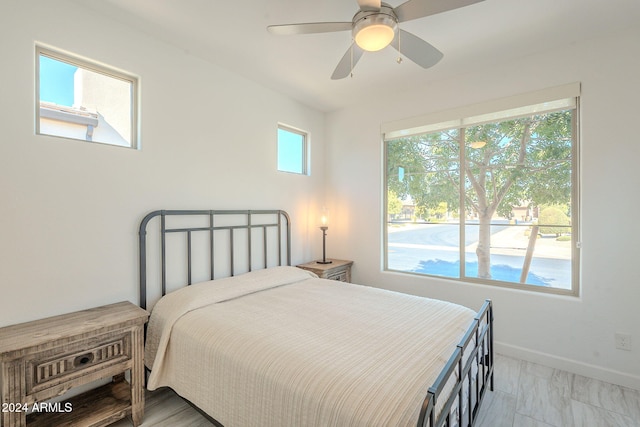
(489, 198)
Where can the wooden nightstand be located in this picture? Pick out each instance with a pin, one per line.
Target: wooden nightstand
(45, 358)
(338, 269)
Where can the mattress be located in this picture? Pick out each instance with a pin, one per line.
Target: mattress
(281, 347)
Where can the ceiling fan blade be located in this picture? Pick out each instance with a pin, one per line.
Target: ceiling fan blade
(348, 62)
(416, 49)
(414, 9)
(309, 28)
(369, 4)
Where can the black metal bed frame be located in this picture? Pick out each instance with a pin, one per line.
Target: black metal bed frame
(282, 223)
(474, 350)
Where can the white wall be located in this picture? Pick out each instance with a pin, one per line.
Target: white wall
(566, 332)
(71, 209)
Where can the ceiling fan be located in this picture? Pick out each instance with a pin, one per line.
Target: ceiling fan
(375, 26)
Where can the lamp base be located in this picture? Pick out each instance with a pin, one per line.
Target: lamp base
(324, 229)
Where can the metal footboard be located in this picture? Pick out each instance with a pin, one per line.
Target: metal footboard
(475, 350)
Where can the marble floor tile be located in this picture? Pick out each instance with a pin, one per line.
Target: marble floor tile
(520, 420)
(611, 397)
(497, 410)
(545, 399)
(559, 380)
(530, 368)
(506, 374)
(585, 415)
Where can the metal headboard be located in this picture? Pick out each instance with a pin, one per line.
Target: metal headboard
(281, 223)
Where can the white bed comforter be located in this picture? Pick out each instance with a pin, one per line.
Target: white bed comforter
(280, 347)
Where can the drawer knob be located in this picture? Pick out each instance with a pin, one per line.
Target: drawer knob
(83, 359)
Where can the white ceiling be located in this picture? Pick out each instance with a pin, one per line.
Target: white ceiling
(233, 35)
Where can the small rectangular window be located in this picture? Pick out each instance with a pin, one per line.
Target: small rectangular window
(292, 150)
(83, 100)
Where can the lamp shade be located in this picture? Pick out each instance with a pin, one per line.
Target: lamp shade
(324, 218)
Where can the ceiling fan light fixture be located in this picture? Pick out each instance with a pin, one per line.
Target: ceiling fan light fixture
(375, 32)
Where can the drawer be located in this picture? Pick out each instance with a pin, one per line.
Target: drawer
(338, 275)
(71, 360)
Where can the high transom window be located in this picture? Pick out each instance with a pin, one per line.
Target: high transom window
(83, 100)
(292, 150)
(490, 197)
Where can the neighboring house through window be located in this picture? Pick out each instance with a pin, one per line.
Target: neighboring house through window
(80, 99)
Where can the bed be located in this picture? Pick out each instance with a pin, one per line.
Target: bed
(252, 341)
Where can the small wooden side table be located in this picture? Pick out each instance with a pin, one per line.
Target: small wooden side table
(45, 358)
(338, 269)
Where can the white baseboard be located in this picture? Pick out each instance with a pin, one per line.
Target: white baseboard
(569, 365)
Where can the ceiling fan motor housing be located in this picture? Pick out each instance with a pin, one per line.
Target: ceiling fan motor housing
(373, 30)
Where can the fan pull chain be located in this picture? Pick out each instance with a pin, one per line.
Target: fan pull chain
(351, 67)
(399, 60)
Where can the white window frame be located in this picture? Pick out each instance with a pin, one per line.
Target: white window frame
(304, 160)
(566, 96)
(90, 120)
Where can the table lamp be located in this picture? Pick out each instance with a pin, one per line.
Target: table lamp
(324, 221)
